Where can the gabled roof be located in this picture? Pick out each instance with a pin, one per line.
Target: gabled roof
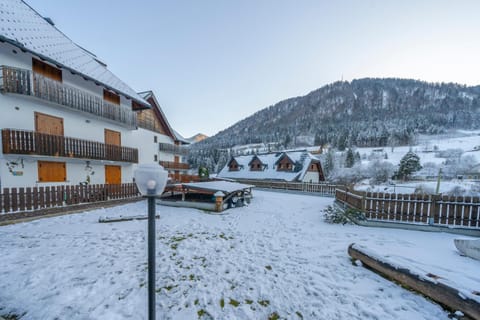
(26, 29)
(255, 158)
(284, 155)
(269, 160)
(180, 138)
(150, 97)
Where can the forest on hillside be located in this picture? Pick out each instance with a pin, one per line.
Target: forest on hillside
(362, 113)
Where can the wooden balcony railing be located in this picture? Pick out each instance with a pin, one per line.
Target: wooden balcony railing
(171, 148)
(174, 165)
(26, 82)
(35, 143)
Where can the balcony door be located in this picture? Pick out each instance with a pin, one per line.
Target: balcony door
(113, 141)
(49, 138)
(113, 174)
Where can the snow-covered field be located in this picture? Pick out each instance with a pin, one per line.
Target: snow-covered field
(276, 256)
(425, 148)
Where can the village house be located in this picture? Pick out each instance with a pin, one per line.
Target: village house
(292, 166)
(160, 143)
(66, 118)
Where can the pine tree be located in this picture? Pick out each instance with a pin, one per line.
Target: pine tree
(329, 164)
(357, 157)
(349, 159)
(409, 164)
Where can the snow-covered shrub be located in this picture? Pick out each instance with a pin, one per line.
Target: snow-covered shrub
(449, 153)
(423, 189)
(380, 171)
(348, 175)
(337, 216)
(457, 191)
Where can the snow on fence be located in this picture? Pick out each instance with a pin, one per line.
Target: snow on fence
(413, 208)
(321, 188)
(28, 199)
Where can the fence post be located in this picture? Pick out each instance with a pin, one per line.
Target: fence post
(432, 213)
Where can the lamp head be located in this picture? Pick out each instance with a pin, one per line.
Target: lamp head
(150, 179)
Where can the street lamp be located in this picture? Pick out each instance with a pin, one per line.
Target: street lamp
(151, 180)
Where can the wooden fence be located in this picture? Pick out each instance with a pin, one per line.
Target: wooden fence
(320, 188)
(35, 198)
(412, 208)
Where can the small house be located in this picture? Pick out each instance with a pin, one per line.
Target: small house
(292, 166)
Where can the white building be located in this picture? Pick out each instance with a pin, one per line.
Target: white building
(160, 143)
(292, 166)
(65, 118)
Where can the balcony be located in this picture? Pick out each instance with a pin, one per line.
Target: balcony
(174, 165)
(35, 143)
(26, 82)
(171, 148)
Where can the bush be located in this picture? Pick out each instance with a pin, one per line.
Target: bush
(337, 216)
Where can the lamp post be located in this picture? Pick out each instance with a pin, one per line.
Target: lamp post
(151, 180)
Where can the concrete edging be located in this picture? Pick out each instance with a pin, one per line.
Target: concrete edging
(438, 292)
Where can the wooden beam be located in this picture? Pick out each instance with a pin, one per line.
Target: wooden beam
(122, 219)
(438, 292)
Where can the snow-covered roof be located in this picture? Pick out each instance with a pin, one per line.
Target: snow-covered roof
(224, 186)
(180, 138)
(301, 159)
(175, 135)
(26, 29)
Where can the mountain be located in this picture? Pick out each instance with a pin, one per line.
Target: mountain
(364, 112)
(197, 138)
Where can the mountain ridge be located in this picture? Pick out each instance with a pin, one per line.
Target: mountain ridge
(362, 112)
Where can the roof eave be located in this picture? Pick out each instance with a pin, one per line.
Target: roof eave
(61, 65)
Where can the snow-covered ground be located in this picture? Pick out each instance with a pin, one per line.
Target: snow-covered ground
(467, 141)
(275, 256)
(428, 187)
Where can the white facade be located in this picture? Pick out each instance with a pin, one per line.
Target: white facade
(18, 113)
(149, 140)
(65, 118)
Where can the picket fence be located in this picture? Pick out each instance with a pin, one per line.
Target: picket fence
(324, 189)
(414, 208)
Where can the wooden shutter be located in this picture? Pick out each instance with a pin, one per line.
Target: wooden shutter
(113, 137)
(46, 70)
(49, 171)
(113, 174)
(48, 124)
(111, 97)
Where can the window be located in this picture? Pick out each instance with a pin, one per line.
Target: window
(49, 171)
(155, 158)
(111, 97)
(155, 139)
(45, 123)
(46, 70)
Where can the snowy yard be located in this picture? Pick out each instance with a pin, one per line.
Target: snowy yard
(275, 257)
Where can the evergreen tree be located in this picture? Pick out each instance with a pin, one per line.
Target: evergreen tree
(409, 164)
(329, 164)
(357, 157)
(349, 159)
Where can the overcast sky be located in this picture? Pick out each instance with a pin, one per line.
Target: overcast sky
(212, 63)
